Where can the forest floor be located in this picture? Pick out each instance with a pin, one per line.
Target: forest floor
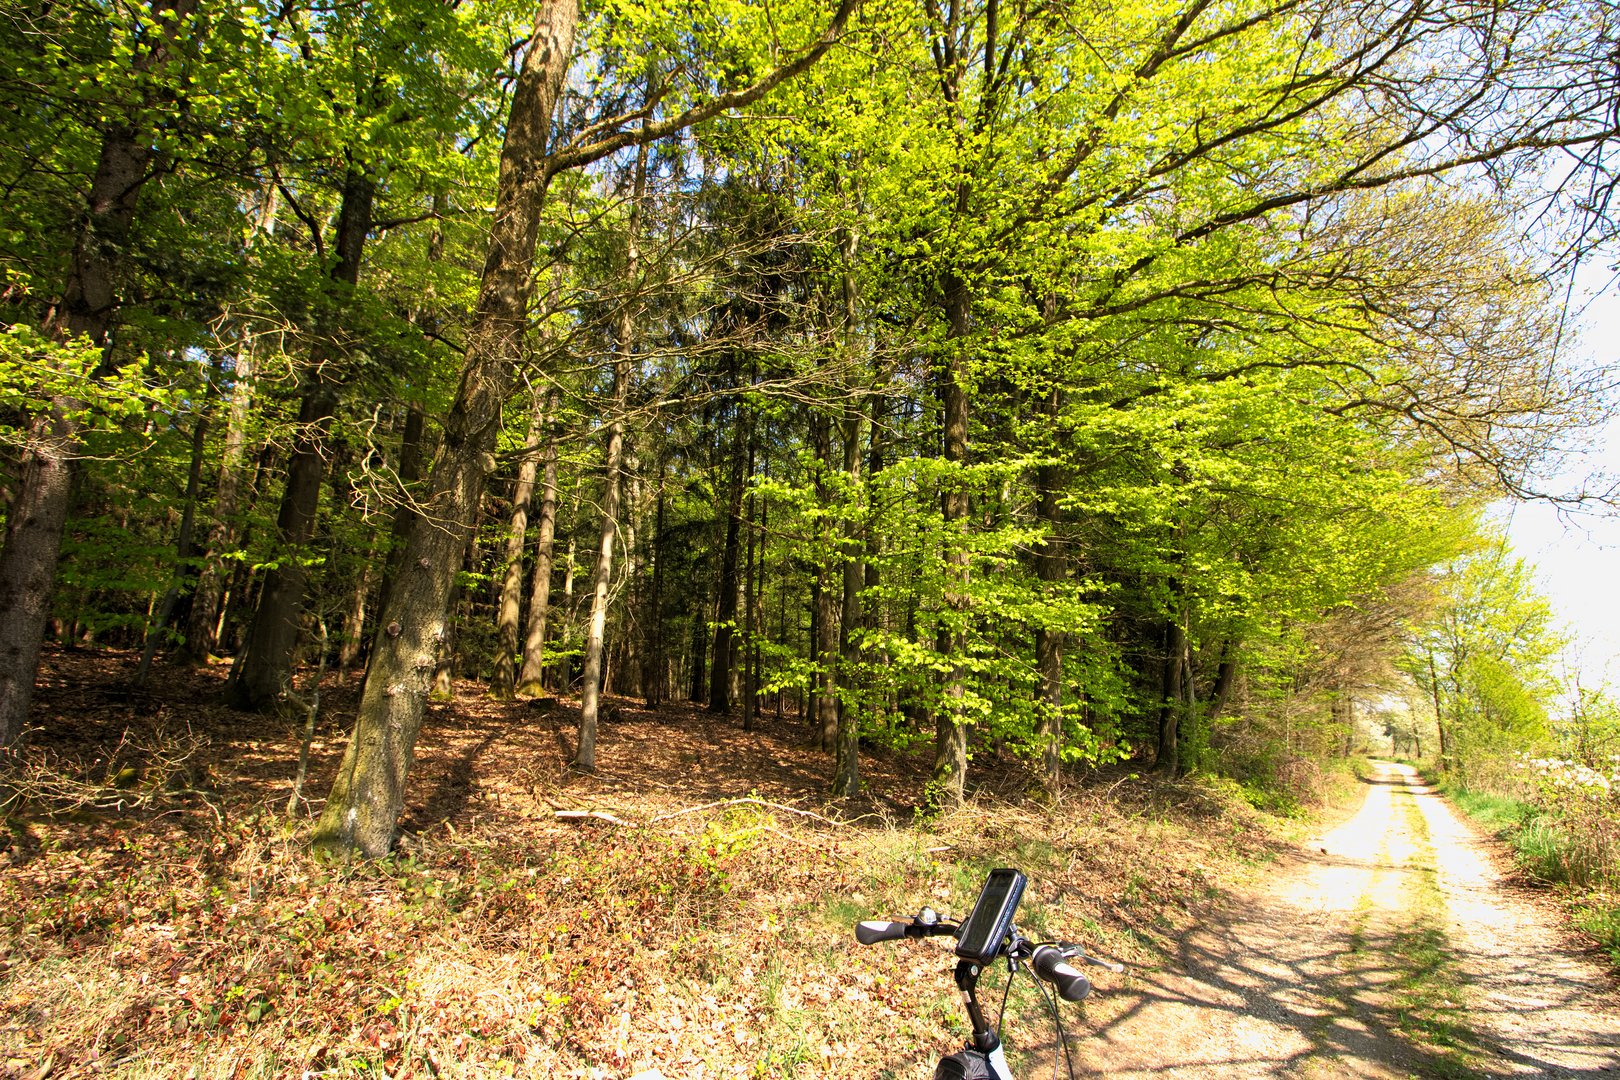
(160, 914)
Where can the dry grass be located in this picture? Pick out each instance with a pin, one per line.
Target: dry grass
(189, 932)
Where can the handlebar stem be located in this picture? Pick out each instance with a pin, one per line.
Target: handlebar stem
(967, 981)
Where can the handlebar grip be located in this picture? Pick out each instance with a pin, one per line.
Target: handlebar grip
(872, 931)
(1049, 964)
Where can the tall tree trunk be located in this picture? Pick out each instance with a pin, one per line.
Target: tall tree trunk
(242, 588)
(751, 628)
(38, 513)
(846, 767)
(613, 455)
(445, 657)
(823, 617)
(351, 637)
(265, 668)
(654, 676)
(208, 598)
(950, 731)
(627, 672)
(1049, 567)
(1439, 716)
(565, 664)
(1225, 676)
(183, 552)
(698, 650)
(509, 603)
(1167, 759)
(369, 790)
(725, 616)
(531, 677)
(411, 449)
(354, 620)
(409, 471)
(871, 615)
(756, 646)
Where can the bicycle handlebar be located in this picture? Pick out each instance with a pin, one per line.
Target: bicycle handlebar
(872, 931)
(1049, 962)
(1055, 962)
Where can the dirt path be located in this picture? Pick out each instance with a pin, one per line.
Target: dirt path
(1390, 950)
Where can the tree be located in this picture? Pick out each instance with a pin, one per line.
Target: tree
(1485, 660)
(369, 791)
(82, 308)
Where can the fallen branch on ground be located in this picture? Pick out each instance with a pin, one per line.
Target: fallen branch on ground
(594, 815)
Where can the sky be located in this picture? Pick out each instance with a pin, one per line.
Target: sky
(1577, 557)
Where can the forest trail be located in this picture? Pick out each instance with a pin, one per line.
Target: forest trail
(1392, 949)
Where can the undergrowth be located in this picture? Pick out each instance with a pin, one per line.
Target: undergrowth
(192, 940)
(1571, 848)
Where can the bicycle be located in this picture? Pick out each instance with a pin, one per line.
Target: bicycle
(986, 935)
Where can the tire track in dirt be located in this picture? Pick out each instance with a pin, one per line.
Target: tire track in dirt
(1379, 953)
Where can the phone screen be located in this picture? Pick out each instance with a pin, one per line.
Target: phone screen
(991, 918)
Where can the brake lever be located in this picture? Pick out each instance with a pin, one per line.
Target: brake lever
(1075, 952)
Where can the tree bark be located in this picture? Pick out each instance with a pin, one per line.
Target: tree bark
(846, 763)
(531, 677)
(38, 514)
(654, 675)
(369, 791)
(846, 768)
(626, 671)
(950, 731)
(823, 617)
(1049, 567)
(354, 620)
(509, 603)
(750, 602)
(1439, 716)
(601, 578)
(409, 471)
(725, 615)
(1225, 677)
(613, 456)
(265, 668)
(699, 649)
(1167, 758)
(446, 657)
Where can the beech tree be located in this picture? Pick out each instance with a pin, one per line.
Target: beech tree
(369, 791)
(82, 304)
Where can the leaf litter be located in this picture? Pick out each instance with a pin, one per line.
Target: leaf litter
(172, 922)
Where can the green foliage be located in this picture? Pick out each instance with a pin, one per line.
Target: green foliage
(1560, 818)
(1485, 660)
(1600, 917)
(1213, 390)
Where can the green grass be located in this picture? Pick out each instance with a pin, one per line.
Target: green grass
(1428, 994)
(1539, 846)
(1599, 915)
(1498, 813)
(1549, 851)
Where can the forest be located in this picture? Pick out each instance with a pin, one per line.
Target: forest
(1069, 387)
